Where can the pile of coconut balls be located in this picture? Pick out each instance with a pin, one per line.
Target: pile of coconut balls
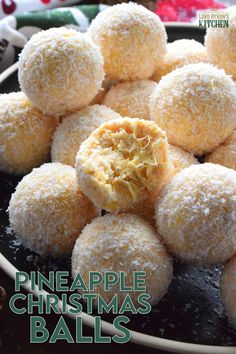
(125, 117)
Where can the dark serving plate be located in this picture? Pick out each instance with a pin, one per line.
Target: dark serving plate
(189, 319)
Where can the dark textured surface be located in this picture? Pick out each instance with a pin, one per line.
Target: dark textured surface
(192, 310)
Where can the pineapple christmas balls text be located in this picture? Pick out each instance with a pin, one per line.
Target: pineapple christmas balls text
(67, 300)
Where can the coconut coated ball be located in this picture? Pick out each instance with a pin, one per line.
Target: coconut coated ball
(75, 128)
(132, 40)
(123, 243)
(195, 214)
(131, 99)
(178, 160)
(196, 106)
(60, 70)
(228, 290)
(47, 211)
(221, 44)
(25, 134)
(179, 53)
(121, 161)
(225, 154)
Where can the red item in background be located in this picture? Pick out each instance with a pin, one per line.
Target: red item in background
(184, 10)
(8, 6)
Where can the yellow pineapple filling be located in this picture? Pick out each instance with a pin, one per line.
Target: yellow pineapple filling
(127, 159)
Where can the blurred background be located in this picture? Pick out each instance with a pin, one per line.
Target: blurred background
(168, 10)
(20, 19)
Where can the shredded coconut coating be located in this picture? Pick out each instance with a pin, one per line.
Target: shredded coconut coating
(47, 211)
(25, 134)
(225, 154)
(196, 106)
(196, 214)
(178, 160)
(60, 70)
(76, 128)
(221, 44)
(228, 290)
(132, 40)
(121, 161)
(179, 53)
(125, 243)
(131, 99)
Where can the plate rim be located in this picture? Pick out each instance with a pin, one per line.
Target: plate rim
(136, 337)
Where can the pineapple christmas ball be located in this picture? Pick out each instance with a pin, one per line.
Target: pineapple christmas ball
(221, 44)
(196, 106)
(131, 99)
(60, 70)
(225, 154)
(179, 53)
(132, 41)
(195, 214)
(228, 290)
(25, 134)
(75, 128)
(125, 243)
(178, 160)
(47, 211)
(122, 161)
